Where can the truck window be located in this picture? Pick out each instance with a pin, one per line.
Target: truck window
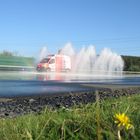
(52, 61)
(45, 60)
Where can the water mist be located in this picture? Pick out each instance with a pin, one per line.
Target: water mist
(87, 60)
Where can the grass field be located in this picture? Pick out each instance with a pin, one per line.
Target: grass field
(82, 122)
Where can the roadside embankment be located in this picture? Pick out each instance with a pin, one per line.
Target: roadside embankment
(16, 63)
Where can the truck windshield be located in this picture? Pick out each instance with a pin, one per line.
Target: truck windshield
(45, 60)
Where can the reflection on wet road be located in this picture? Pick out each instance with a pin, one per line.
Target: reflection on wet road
(32, 83)
(26, 88)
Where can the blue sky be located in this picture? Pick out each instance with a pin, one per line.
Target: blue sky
(28, 25)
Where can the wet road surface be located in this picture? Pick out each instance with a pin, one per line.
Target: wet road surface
(33, 83)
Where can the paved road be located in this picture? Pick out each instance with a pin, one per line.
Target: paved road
(31, 83)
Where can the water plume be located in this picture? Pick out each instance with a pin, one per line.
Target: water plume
(88, 61)
(67, 50)
(43, 53)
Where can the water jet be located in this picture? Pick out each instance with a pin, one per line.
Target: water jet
(88, 61)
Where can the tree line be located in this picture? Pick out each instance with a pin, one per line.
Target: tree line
(6, 53)
(131, 63)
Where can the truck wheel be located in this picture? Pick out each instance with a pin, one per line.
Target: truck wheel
(38, 69)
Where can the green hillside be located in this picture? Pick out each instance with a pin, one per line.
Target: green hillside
(16, 61)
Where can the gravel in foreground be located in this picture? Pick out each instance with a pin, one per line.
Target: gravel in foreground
(12, 107)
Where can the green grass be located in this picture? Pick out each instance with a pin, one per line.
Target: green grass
(82, 122)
